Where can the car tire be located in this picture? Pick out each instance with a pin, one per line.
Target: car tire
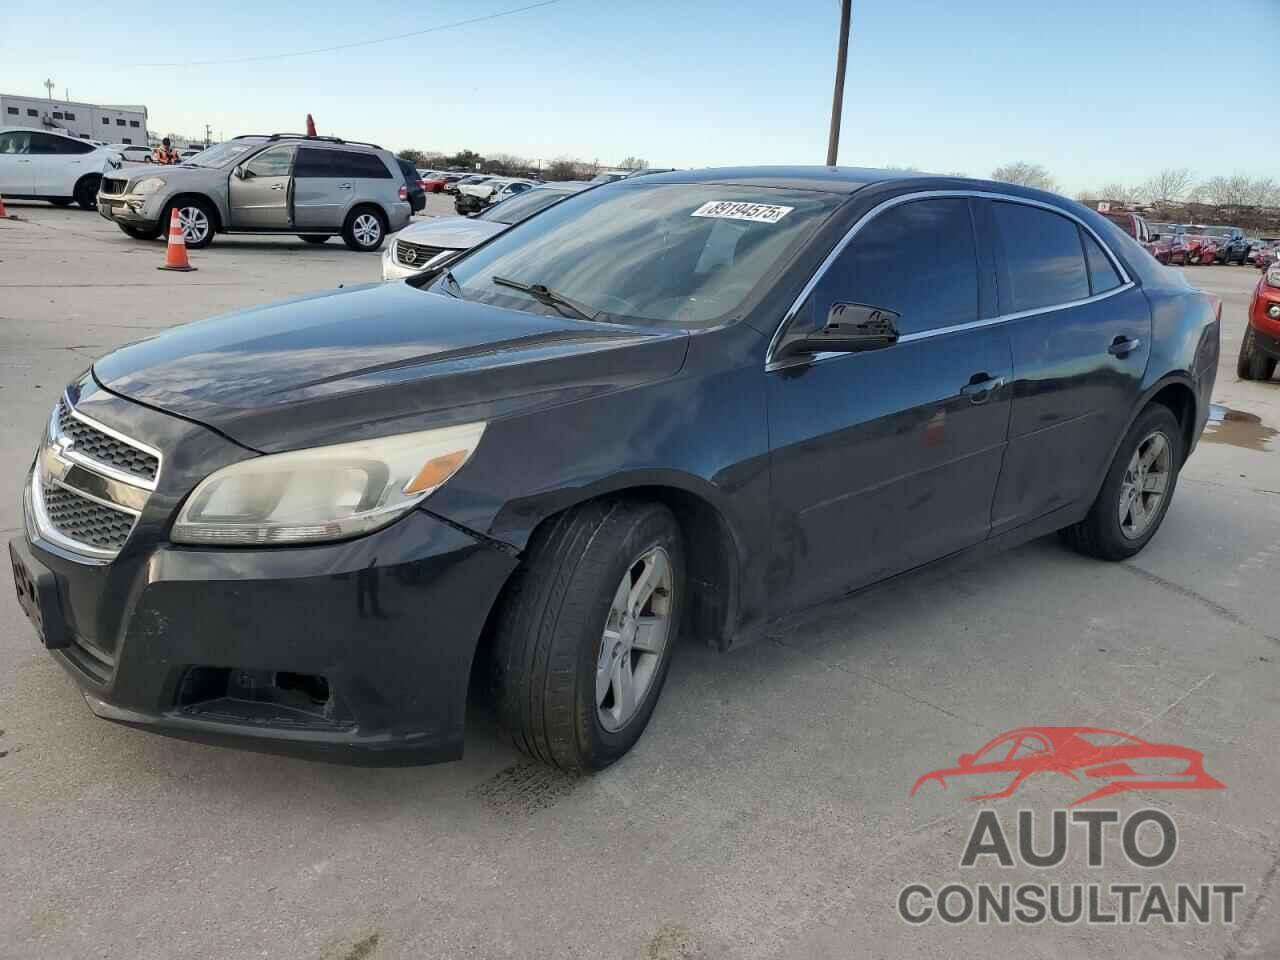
(1252, 363)
(562, 644)
(1113, 529)
(314, 237)
(198, 218)
(140, 233)
(86, 192)
(365, 229)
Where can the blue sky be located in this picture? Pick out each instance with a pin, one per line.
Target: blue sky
(1096, 90)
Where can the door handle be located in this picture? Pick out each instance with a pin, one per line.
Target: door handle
(344, 186)
(1122, 346)
(277, 186)
(980, 387)
(24, 161)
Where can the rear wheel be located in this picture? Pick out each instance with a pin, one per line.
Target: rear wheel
(584, 635)
(314, 237)
(86, 192)
(365, 229)
(1136, 492)
(1252, 363)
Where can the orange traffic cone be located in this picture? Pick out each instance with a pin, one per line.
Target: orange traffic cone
(4, 214)
(175, 254)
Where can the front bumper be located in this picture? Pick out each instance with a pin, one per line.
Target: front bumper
(141, 212)
(357, 652)
(394, 270)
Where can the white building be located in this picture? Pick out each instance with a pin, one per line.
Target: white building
(88, 121)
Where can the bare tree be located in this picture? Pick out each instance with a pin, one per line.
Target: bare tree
(1264, 192)
(563, 169)
(1171, 185)
(634, 163)
(1117, 192)
(1233, 191)
(1025, 174)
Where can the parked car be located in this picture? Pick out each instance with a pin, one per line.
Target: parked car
(1263, 253)
(442, 181)
(315, 187)
(696, 402)
(472, 198)
(132, 152)
(425, 244)
(1230, 243)
(1260, 348)
(43, 165)
(1135, 226)
(1201, 244)
(415, 193)
(468, 181)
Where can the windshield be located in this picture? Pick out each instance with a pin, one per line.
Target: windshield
(222, 154)
(522, 206)
(682, 254)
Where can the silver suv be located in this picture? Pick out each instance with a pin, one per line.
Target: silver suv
(315, 187)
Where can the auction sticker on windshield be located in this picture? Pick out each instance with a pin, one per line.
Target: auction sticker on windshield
(741, 210)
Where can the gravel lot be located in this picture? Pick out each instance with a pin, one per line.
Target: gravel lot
(766, 811)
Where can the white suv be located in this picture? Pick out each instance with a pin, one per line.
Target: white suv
(42, 165)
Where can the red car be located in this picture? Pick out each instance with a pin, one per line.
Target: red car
(1135, 226)
(1170, 236)
(1125, 762)
(1260, 347)
(1202, 248)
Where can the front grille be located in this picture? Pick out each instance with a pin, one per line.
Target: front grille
(86, 520)
(112, 186)
(89, 441)
(416, 254)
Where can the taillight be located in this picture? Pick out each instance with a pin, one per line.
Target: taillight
(404, 193)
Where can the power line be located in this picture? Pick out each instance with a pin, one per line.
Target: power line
(359, 43)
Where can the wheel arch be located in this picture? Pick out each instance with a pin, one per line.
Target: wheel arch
(1178, 395)
(713, 548)
(85, 178)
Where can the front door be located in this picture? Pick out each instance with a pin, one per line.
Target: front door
(17, 174)
(260, 194)
(887, 459)
(1081, 336)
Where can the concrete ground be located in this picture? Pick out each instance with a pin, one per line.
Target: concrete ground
(765, 812)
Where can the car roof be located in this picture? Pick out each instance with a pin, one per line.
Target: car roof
(843, 180)
(56, 133)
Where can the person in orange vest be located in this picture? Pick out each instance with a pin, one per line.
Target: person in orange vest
(165, 153)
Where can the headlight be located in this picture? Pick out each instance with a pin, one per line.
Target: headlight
(1273, 275)
(325, 493)
(147, 186)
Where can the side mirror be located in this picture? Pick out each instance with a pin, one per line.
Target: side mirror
(239, 172)
(850, 328)
(965, 760)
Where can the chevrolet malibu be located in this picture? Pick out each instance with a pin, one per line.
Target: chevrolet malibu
(684, 405)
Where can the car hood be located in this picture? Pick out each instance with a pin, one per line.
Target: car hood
(451, 233)
(379, 359)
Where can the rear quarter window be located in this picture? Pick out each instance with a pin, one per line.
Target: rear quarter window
(1043, 257)
(363, 166)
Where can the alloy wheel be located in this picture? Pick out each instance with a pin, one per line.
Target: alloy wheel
(194, 223)
(634, 639)
(1145, 485)
(367, 230)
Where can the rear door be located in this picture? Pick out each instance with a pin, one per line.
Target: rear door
(17, 175)
(260, 192)
(1081, 336)
(888, 459)
(320, 197)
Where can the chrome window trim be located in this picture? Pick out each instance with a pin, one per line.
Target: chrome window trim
(67, 450)
(1126, 281)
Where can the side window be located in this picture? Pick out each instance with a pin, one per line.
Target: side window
(274, 162)
(517, 188)
(15, 142)
(918, 259)
(364, 166)
(61, 145)
(313, 163)
(1044, 257)
(1102, 273)
(43, 144)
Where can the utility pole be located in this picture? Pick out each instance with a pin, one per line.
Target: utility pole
(207, 133)
(837, 99)
(48, 85)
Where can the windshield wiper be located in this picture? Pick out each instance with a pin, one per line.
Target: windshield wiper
(559, 301)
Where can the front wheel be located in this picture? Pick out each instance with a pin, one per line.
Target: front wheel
(585, 631)
(196, 218)
(86, 192)
(1252, 363)
(364, 230)
(1136, 492)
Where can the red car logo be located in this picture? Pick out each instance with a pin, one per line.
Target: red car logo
(1123, 761)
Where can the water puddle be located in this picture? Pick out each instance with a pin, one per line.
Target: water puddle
(1237, 428)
